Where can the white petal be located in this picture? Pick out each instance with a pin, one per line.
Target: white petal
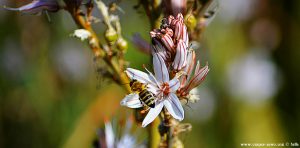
(126, 141)
(174, 107)
(153, 78)
(174, 84)
(160, 69)
(153, 113)
(82, 34)
(109, 135)
(140, 76)
(152, 89)
(132, 101)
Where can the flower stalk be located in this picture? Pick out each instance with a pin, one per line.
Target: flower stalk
(173, 80)
(176, 73)
(95, 45)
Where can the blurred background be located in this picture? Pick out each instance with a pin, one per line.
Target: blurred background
(52, 96)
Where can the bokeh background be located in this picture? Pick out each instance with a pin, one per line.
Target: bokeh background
(52, 96)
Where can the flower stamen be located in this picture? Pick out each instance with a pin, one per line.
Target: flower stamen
(166, 89)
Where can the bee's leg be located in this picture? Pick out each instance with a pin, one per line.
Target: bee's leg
(145, 110)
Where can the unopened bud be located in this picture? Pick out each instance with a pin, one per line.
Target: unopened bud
(122, 44)
(111, 36)
(191, 22)
(176, 143)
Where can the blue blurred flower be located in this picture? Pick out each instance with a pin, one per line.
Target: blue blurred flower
(37, 6)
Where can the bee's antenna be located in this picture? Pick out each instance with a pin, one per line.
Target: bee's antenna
(144, 66)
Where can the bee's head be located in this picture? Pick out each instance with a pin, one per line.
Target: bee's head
(135, 85)
(132, 82)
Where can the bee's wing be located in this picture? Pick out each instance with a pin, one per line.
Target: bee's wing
(132, 101)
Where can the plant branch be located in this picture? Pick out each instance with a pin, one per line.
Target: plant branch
(95, 43)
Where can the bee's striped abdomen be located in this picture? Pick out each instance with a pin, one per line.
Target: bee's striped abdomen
(147, 98)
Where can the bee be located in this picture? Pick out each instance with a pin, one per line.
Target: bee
(164, 23)
(145, 96)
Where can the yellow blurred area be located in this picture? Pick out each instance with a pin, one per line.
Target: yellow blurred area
(101, 109)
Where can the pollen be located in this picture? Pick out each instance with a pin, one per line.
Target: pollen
(166, 89)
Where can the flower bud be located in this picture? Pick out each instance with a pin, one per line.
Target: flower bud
(111, 35)
(122, 44)
(166, 39)
(181, 54)
(191, 22)
(176, 143)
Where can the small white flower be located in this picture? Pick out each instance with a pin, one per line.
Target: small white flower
(82, 34)
(108, 137)
(161, 86)
(253, 77)
(193, 95)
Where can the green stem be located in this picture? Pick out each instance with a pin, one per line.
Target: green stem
(114, 64)
(154, 136)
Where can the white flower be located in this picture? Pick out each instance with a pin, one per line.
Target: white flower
(193, 95)
(161, 86)
(253, 77)
(108, 139)
(109, 135)
(82, 34)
